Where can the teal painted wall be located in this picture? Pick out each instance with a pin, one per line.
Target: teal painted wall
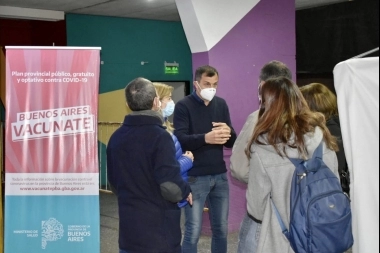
(127, 42)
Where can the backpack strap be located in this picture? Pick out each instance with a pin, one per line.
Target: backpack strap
(282, 225)
(309, 165)
(318, 153)
(315, 162)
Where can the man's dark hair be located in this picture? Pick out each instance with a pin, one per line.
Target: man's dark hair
(208, 70)
(140, 94)
(274, 69)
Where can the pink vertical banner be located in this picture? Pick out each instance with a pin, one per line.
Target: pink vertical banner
(51, 159)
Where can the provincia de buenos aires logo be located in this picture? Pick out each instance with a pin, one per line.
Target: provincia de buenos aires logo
(52, 230)
(53, 123)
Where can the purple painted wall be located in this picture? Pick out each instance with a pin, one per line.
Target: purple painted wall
(266, 33)
(200, 59)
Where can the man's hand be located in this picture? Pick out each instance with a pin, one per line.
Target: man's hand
(221, 126)
(219, 134)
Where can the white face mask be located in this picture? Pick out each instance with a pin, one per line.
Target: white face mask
(169, 109)
(207, 93)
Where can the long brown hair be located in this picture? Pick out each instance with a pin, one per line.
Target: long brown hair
(285, 118)
(320, 99)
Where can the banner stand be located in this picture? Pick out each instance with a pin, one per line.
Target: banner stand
(51, 155)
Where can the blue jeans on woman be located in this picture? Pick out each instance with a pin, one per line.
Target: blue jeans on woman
(215, 190)
(249, 235)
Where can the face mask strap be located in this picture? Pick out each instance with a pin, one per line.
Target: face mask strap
(199, 86)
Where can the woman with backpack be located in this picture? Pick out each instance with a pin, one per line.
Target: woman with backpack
(286, 128)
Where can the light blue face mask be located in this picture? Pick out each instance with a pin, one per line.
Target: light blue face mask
(169, 109)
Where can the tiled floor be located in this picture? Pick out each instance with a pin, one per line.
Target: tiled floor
(109, 229)
(109, 223)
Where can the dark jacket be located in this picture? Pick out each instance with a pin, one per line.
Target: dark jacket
(333, 124)
(143, 171)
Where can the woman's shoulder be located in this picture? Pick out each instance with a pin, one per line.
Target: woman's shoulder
(267, 155)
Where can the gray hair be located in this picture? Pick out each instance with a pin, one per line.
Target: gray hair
(140, 94)
(274, 69)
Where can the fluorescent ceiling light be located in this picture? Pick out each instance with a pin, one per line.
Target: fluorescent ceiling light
(26, 13)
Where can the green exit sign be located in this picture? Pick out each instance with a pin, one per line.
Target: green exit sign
(171, 70)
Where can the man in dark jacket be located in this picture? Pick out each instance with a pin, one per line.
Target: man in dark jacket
(145, 175)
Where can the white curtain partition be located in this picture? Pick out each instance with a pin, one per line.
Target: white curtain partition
(357, 87)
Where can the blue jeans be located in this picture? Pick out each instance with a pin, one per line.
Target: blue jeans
(248, 236)
(215, 190)
(122, 251)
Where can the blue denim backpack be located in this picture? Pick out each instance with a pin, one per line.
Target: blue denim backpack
(320, 214)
